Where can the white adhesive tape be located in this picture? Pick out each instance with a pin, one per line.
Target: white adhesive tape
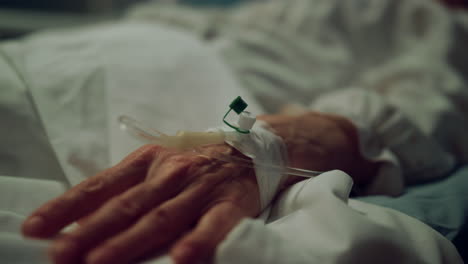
(246, 120)
(263, 147)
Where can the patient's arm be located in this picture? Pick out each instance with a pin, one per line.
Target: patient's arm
(158, 198)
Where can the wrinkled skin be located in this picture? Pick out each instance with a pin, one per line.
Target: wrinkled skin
(158, 198)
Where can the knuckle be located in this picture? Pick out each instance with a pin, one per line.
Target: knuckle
(93, 185)
(201, 242)
(178, 159)
(160, 216)
(141, 157)
(230, 204)
(149, 150)
(196, 243)
(172, 171)
(59, 204)
(125, 207)
(152, 148)
(169, 158)
(153, 188)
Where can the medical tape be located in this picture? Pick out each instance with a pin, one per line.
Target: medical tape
(263, 147)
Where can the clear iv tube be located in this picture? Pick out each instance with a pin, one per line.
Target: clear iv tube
(148, 134)
(139, 130)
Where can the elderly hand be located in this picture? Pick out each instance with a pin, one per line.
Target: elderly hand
(151, 199)
(158, 198)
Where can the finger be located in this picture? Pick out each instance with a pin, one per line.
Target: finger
(154, 230)
(115, 216)
(165, 180)
(89, 195)
(201, 243)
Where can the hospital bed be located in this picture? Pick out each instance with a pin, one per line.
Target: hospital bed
(48, 133)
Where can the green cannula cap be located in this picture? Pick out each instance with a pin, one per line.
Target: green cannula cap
(238, 105)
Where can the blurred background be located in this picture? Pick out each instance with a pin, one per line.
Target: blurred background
(18, 17)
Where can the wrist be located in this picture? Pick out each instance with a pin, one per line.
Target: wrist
(322, 142)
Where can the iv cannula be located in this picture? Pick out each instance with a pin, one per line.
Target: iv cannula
(150, 135)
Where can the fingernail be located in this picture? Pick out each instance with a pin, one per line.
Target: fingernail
(34, 225)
